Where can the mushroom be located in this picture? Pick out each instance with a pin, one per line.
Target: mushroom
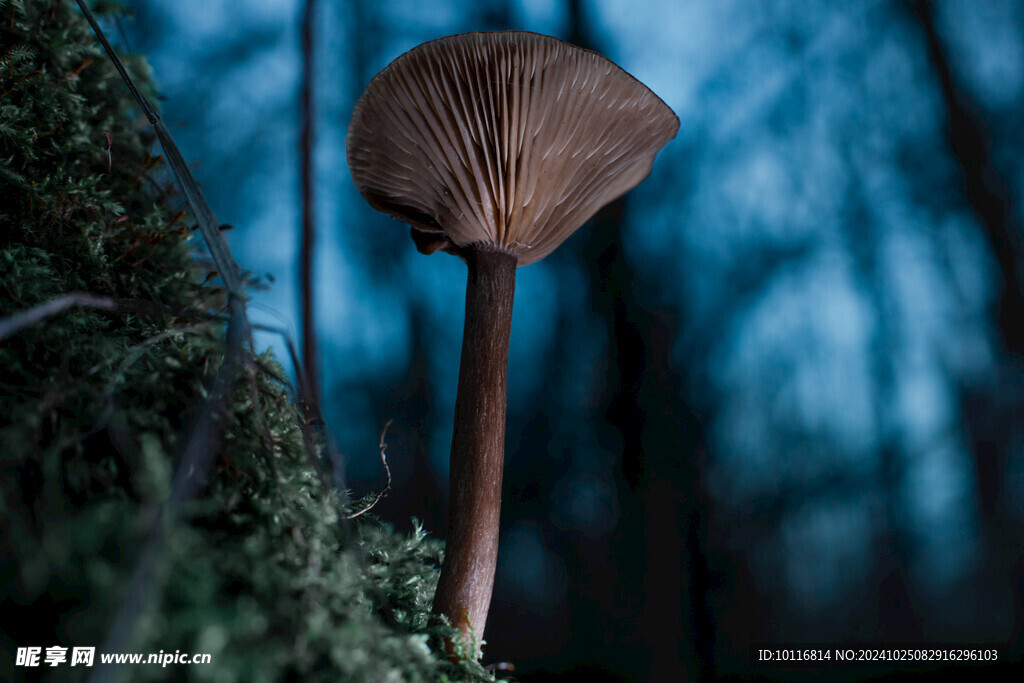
(496, 147)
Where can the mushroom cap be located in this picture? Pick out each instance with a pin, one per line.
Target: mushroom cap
(509, 140)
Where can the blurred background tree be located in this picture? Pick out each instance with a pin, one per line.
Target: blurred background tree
(773, 395)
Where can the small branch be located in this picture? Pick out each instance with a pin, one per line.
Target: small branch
(15, 323)
(387, 471)
(193, 195)
(7, 92)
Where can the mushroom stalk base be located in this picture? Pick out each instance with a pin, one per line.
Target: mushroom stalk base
(478, 446)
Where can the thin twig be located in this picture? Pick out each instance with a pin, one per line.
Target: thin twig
(387, 471)
(201, 211)
(15, 323)
(19, 321)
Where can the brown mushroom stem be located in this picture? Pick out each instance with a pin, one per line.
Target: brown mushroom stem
(478, 445)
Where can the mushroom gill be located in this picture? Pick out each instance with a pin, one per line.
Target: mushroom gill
(511, 140)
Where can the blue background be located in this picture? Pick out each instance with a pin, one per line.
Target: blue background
(768, 398)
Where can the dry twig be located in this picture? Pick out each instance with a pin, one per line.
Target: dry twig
(387, 471)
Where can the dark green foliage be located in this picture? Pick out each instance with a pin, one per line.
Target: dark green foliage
(94, 406)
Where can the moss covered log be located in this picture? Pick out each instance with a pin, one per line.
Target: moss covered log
(95, 404)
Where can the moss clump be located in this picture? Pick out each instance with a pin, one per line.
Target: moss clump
(95, 406)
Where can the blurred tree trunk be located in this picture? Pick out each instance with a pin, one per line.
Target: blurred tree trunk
(895, 615)
(991, 412)
(986, 191)
(310, 362)
(665, 511)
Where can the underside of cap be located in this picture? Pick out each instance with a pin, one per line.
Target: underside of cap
(511, 140)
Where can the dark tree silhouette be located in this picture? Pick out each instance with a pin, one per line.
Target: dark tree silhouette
(985, 189)
(990, 413)
(665, 513)
(310, 362)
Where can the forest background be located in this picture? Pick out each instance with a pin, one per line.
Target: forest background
(773, 395)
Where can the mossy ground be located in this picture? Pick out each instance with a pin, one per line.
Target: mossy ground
(95, 406)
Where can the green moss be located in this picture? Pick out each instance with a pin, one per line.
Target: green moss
(94, 406)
